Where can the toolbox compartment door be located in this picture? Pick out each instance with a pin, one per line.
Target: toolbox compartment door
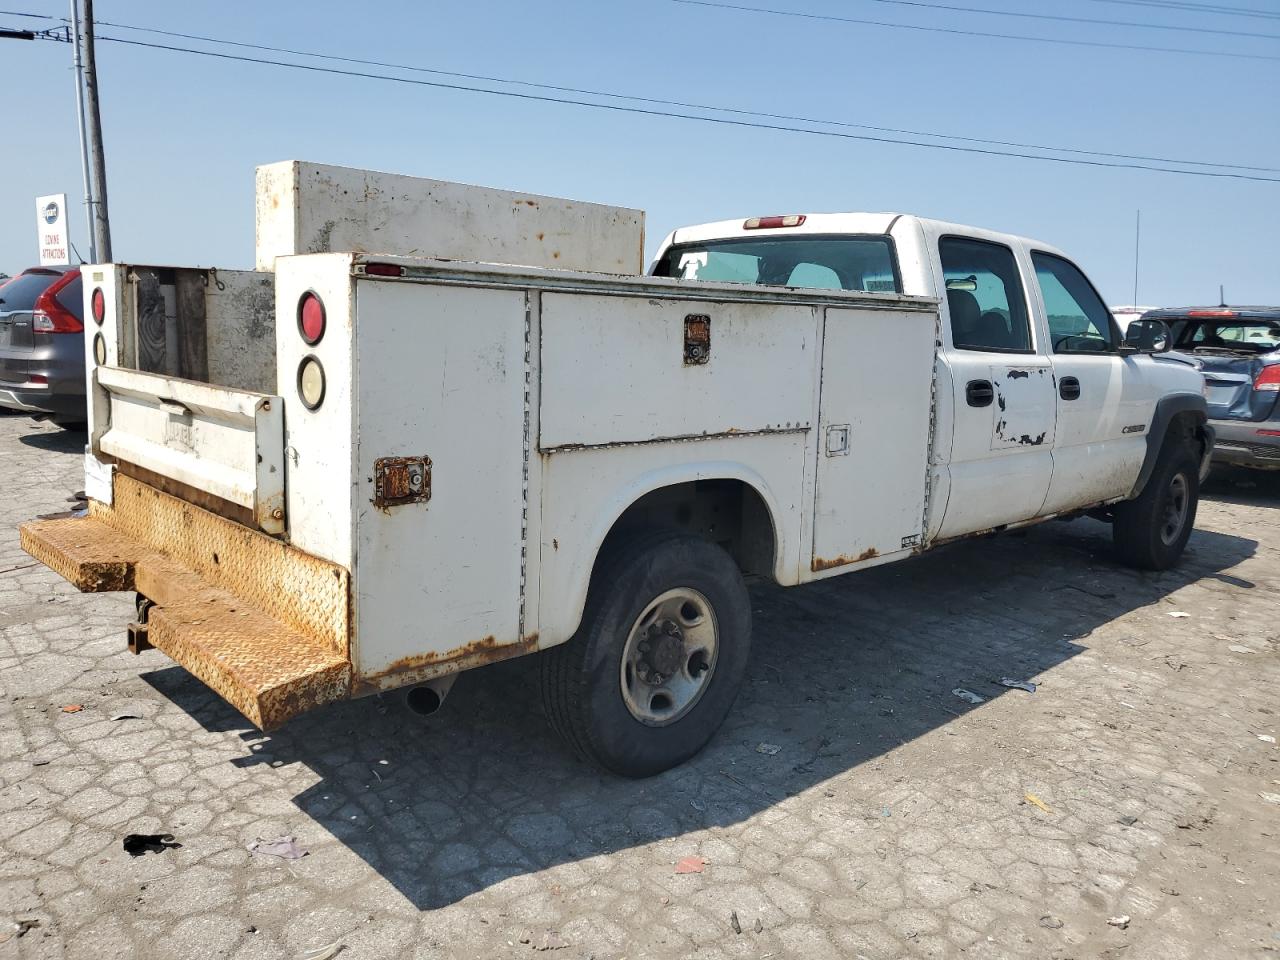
(221, 443)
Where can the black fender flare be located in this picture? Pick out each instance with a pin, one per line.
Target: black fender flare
(1167, 408)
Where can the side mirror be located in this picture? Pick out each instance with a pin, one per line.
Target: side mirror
(1147, 336)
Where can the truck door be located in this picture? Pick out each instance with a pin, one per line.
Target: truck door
(1002, 389)
(1105, 401)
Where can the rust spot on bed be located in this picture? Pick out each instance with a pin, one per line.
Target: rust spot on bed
(427, 666)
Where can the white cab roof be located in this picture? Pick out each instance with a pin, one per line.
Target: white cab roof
(847, 223)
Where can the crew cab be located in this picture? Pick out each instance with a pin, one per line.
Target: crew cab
(1042, 407)
(376, 461)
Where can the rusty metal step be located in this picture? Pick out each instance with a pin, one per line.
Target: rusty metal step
(266, 668)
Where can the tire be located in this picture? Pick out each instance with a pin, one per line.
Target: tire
(1144, 530)
(608, 711)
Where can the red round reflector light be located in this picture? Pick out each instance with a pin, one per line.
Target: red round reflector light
(311, 320)
(98, 305)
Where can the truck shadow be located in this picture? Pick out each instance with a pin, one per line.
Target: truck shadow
(841, 673)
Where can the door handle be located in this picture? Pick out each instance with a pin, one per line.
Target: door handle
(1069, 388)
(979, 393)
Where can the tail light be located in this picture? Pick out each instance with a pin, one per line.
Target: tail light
(49, 315)
(770, 223)
(311, 382)
(1268, 379)
(311, 318)
(98, 305)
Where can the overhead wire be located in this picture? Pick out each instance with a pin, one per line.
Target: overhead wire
(682, 105)
(1063, 18)
(647, 111)
(957, 31)
(1209, 8)
(690, 105)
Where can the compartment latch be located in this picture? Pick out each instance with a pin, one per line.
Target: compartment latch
(400, 480)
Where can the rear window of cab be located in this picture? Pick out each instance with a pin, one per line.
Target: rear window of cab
(862, 263)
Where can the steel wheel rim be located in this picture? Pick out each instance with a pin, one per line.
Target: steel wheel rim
(1176, 501)
(676, 632)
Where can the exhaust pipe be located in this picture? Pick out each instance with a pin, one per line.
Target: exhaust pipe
(427, 698)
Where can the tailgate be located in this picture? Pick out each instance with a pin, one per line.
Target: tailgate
(226, 444)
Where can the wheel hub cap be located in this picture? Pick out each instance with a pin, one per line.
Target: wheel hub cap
(669, 657)
(666, 651)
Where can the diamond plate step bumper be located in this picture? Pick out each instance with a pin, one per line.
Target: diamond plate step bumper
(261, 623)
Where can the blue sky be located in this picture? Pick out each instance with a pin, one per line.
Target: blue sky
(184, 133)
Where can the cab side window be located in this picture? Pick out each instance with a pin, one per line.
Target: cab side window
(984, 296)
(1079, 322)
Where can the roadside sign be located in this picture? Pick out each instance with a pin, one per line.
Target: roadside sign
(51, 229)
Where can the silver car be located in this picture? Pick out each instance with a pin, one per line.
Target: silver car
(42, 344)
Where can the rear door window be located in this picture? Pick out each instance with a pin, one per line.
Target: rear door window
(20, 293)
(1079, 322)
(985, 296)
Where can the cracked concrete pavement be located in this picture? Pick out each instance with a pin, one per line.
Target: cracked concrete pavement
(894, 820)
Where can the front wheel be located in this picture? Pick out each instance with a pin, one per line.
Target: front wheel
(1151, 531)
(658, 659)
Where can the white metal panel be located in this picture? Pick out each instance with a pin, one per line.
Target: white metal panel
(320, 443)
(585, 491)
(228, 443)
(442, 374)
(614, 371)
(874, 434)
(312, 208)
(240, 329)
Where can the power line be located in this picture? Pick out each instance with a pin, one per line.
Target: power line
(644, 111)
(832, 18)
(1210, 8)
(689, 105)
(1065, 19)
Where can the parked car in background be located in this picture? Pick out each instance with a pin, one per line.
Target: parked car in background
(42, 344)
(1238, 351)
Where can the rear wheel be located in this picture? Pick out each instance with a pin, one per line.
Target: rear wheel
(1151, 531)
(658, 659)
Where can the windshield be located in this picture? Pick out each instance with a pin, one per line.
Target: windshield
(1238, 334)
(864, 263)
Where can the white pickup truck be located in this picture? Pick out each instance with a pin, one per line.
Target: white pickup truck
(364, 466)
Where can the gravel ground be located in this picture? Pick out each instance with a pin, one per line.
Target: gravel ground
(894, 819)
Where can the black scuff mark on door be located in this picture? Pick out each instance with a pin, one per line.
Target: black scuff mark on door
(1029, 441)
(1018, 374)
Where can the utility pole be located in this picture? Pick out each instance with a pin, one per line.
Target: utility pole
(101, 222)
(1137, 246)
(84, 152)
